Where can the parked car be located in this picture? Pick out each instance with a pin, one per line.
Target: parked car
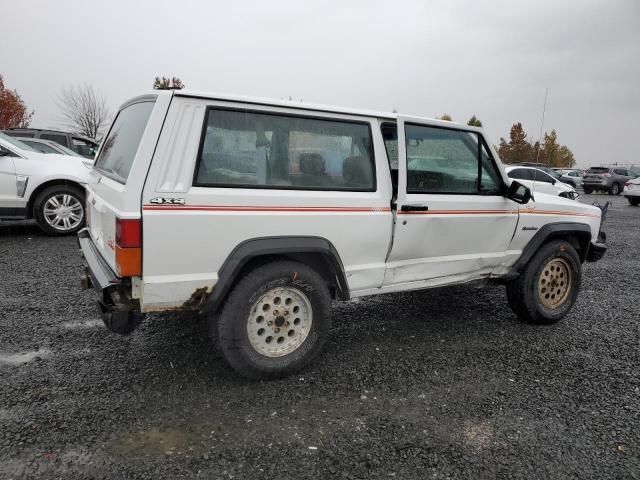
(572, 177)
(46, 187)
(47, 146)
(606, 179)
(540, 181)
(555, 172)
(79, 144)
(632, 191)
(265, 244)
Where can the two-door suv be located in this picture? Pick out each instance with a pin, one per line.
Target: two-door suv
(262, 212)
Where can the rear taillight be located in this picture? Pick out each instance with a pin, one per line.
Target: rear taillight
(128, 247)
(627, 184)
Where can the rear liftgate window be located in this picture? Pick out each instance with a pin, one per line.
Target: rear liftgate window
(261, 150)
(121, 144)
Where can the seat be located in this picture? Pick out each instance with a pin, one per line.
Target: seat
(357, 172)
(312, 171)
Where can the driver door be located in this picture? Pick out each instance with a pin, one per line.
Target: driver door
(453, 222)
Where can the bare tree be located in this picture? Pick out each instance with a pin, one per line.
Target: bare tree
(84, 110)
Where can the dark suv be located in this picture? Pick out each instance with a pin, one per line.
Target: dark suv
(606, 179)
(82, 145)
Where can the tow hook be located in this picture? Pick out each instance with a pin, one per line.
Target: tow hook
(120, 321)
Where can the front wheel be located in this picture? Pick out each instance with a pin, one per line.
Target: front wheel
(635, 201)
(59, 210)
(275, 320)
(548, 287)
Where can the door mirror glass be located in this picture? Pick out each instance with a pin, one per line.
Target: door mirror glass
(519, 193)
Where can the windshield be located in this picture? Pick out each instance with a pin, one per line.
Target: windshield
(17, 143)
(121, 144)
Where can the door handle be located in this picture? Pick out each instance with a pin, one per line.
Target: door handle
(414, 208)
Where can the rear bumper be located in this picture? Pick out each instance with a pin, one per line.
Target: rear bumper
(119, 312)
(97, 274)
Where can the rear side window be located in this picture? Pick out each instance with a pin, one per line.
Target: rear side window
(83, 147)
(521, 174)
(263, 150)
(122, 142)
(61, 139)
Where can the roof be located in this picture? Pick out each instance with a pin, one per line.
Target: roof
(29, 129)
(308, 106)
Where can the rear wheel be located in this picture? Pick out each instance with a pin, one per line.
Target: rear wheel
(635, 201)
(615, 189)
(59, 210)
(548, 287)
(275, 320)
(588, 190)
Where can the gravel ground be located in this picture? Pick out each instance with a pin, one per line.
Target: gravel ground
(437, 384)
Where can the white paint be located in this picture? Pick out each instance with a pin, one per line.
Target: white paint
(23, 357)
(80, 324)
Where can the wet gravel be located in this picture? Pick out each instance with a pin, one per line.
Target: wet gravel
(437, 384)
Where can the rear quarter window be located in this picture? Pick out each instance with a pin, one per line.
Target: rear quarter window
(122, 142)
(267, 150)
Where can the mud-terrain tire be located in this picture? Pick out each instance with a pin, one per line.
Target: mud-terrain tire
(68, 201)
(548, 287)
(274, 321)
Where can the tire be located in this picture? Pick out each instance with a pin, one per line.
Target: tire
(587, 190)
(560, 261)
(261, 340)
(635, 201)
(70, 200)
(614, 189)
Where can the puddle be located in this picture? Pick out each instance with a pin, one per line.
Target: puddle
(83, 324)
(23, 357)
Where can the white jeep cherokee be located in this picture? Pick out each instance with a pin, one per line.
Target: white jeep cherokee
(46, 187)
(261, 212)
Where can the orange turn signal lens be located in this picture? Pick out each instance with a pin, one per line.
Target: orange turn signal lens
(128, 261)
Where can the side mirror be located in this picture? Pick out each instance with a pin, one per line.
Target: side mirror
(519, 193)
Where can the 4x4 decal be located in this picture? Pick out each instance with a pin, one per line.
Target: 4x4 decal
(167, 201)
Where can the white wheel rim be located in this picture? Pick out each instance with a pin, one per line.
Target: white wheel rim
(63, 212)
(279, 322)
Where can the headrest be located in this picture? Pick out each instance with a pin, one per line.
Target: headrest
(312, 164)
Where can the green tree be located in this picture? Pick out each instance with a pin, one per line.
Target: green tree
(518, 148)
(165, 83)
(446, 117)
(474, 122)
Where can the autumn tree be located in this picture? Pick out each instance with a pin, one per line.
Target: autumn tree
(13, 111)
(84, 110)
(474, 122)
(518, 149)
(165, 83)
(556, 155)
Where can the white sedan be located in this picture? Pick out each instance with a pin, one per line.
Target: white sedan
(49, 188)
(632, 191)
(540, 181)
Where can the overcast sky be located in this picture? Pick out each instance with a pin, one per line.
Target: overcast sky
(493, 59)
